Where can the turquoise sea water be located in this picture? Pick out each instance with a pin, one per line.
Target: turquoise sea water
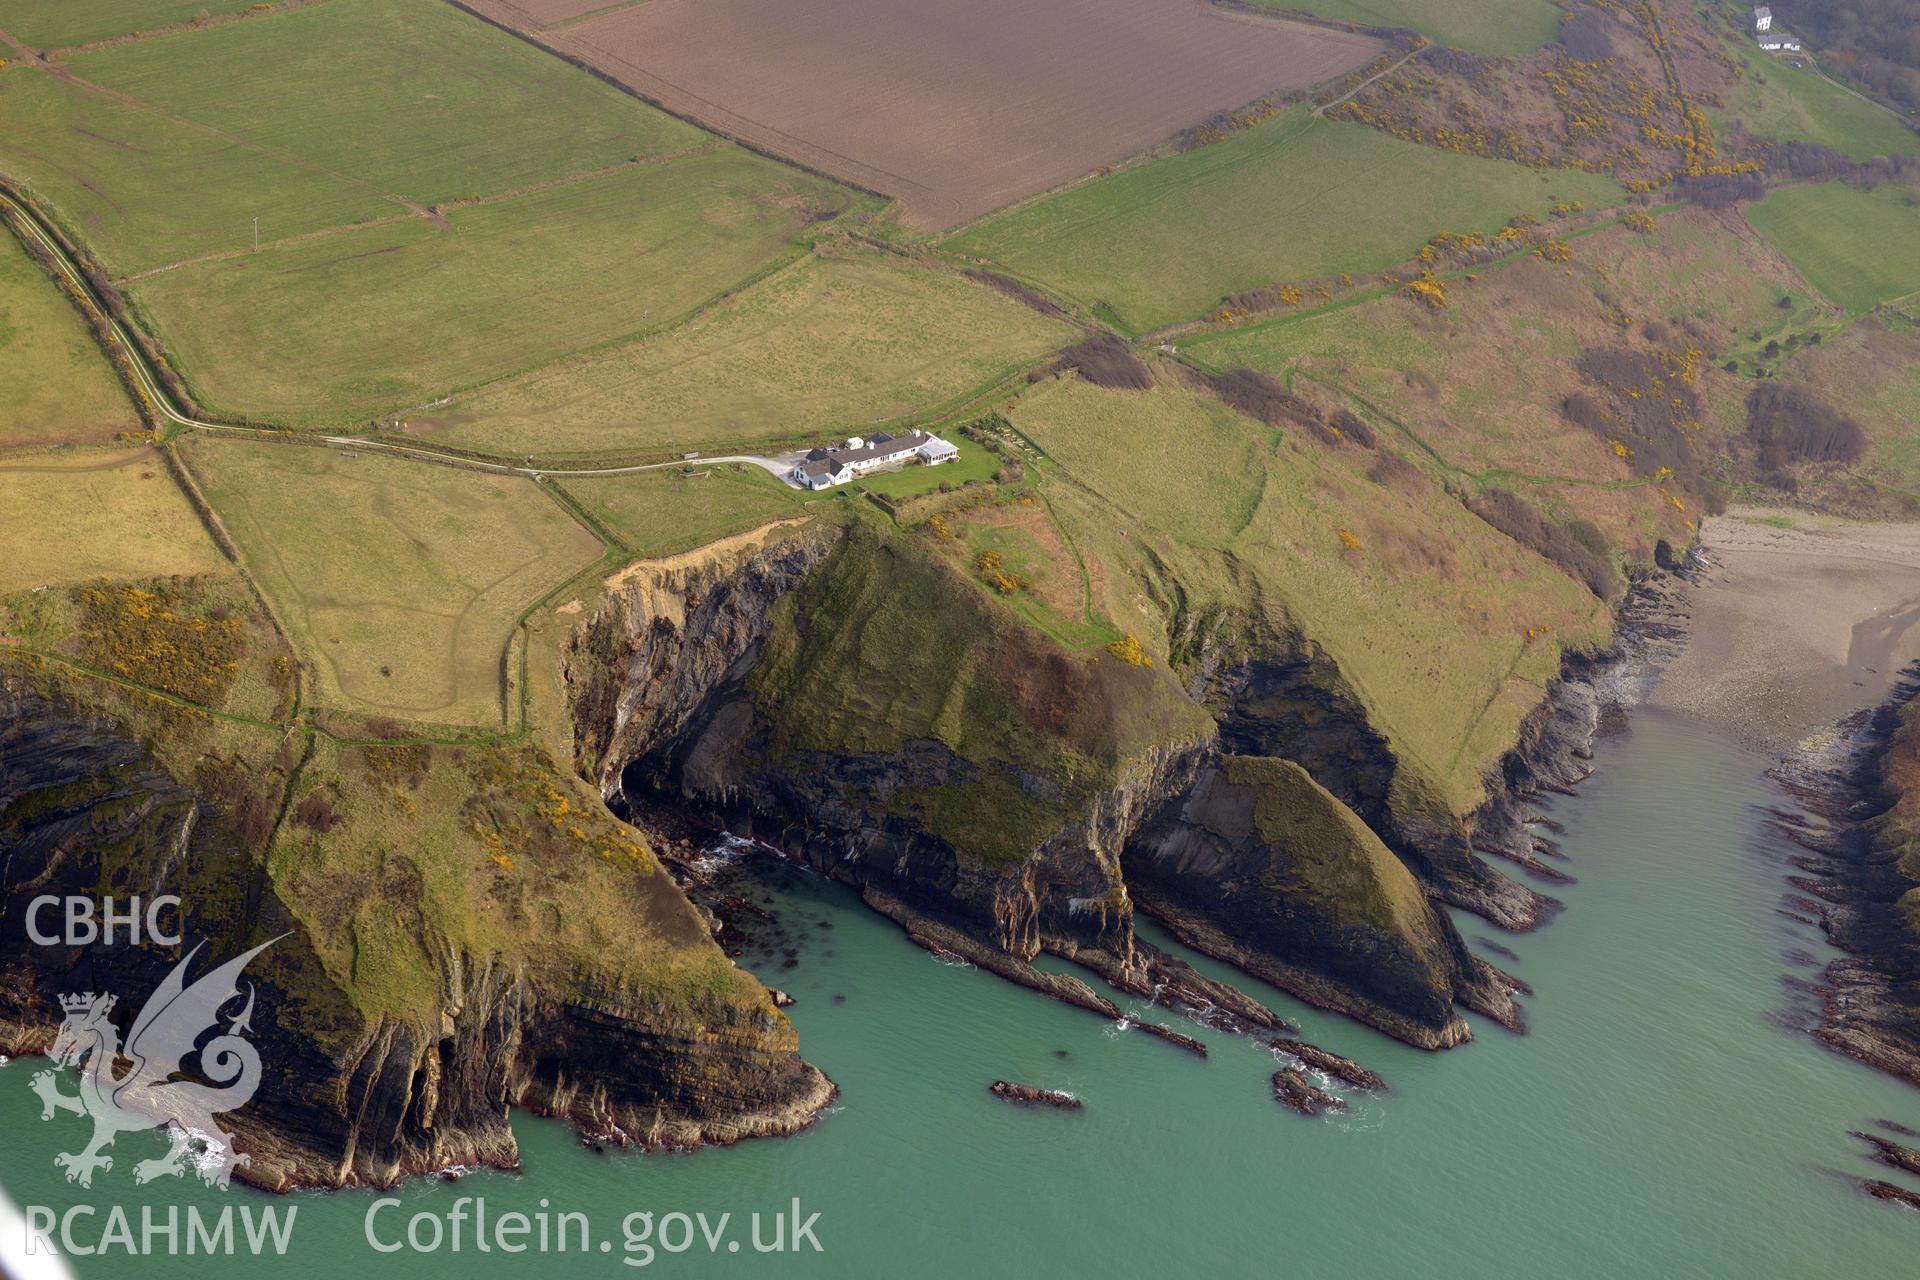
(1659, 1120)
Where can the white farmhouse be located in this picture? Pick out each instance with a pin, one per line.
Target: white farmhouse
(824, 468)
(1772, 43)
(1763, 19)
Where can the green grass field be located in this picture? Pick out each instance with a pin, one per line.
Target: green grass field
(77, 516)
(974, 463)
(565, 215)
(335, 329)
(60, 24)
(55, 385)
(1426, 608)
(327, 116)
(661, 513)
(399, 580)
(142, 190)
(405, 99)
(1775, 100)
(1486, 26)
(1291, 199)
(834, 344)
(1860, 248)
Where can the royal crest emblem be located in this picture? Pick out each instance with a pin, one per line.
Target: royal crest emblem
(152, 1091)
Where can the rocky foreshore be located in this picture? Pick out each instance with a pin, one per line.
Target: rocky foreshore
(1291, 1089)
(1027, 1093)
(1586, 702)
(1890, 1153)
(1332, 1064)
(1850, 885)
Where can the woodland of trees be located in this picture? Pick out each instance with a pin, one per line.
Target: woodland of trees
(1875, 43)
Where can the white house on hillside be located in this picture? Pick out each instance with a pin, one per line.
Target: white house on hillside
(1763, 19)
(824, 468)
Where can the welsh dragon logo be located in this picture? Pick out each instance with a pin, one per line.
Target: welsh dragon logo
(147, 1095)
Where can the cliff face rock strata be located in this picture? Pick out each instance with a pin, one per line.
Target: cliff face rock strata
(1291, 701)
(1587, 700)
(881, 724)
(347, 1096)
(851, 703)
(846, 698)
(1259, 865)
(1862, 788)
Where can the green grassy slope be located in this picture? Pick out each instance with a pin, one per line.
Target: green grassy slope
(886, 644)
(837, 343)
(59, 24)
(1776, 100)
(1290, 199)
(144, 191)
(1447, 629)
(330, 330)
(416, 100)
(1485, 26)
(1860, 248)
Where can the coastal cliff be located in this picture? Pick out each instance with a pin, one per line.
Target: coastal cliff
(841, 695)
(463, 929)
(1259, 865)
(1863, 869)
(410, 1063)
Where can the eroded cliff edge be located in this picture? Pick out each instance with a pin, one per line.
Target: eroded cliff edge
(414, 1000)
(841, 694)
(1862, 870)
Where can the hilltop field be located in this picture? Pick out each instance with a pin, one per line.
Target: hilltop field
(413, 172)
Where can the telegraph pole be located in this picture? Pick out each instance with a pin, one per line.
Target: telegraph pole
(256, 235)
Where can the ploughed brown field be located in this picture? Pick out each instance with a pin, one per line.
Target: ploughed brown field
(955, 109)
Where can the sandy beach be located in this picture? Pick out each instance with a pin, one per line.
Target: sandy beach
(1798, 621)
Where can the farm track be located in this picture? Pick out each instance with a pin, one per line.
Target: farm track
(1320, 111)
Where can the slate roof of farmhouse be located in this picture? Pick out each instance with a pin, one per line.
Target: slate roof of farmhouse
(879, 447)
(826, 462)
